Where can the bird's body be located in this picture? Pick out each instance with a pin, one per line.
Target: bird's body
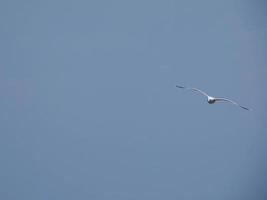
(210, 99)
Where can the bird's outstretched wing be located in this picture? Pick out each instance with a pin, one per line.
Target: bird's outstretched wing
(194, 89)
(230, 101)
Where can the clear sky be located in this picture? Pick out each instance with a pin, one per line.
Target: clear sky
(89, 107)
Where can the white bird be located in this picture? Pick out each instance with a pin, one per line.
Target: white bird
(211, 99)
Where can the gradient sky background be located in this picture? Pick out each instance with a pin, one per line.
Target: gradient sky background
(89, 108)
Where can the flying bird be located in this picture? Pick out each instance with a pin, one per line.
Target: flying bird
(210, 99)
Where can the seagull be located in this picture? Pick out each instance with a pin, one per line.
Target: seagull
(210, 99)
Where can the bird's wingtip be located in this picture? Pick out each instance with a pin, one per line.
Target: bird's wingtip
(179, 86)
(246, 108)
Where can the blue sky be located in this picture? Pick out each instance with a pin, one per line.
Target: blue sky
(89, 108)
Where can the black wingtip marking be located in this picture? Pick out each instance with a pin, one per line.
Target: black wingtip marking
(244, 108)
(182, 87)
